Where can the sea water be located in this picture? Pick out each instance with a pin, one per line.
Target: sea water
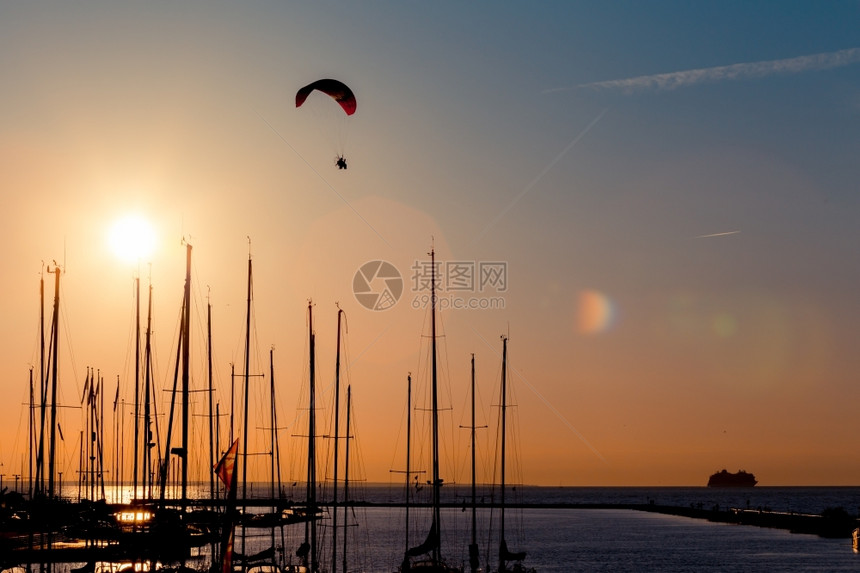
(605, 540)
(583, 540)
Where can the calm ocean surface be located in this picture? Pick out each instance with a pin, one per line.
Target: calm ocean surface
(574, 540)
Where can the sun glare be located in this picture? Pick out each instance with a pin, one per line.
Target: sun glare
(132, 238)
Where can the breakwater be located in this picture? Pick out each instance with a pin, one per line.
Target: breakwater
(832, 523)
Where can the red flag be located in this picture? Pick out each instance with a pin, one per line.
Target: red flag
(227, 553)
(226, 471)
(224, 468)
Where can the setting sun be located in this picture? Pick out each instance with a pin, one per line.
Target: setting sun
(132, 238)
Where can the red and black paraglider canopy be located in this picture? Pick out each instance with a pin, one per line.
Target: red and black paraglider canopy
(335, 89)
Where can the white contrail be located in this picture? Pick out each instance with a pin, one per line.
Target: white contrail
(675, 80)
(716, 235)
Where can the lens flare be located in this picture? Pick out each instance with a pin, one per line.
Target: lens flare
(595, 312)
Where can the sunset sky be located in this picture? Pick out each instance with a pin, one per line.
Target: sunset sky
(671, 189)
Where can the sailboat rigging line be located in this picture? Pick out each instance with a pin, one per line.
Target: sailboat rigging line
(546, 402)
(323, 179)
(71, 351)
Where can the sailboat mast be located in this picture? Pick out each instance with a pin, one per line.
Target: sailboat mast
(43, 391)
(55, 333)
(117, 474)
(121, 460)
(346, 474)
(186, 336)
(310, 526)
(273, 435)
(147, 414)
(502, 544)
(336, 436)
(245, 406)
(91, 435)
(31, 435)
(408, 451)
(474, 492)
(137, 437)
(232, 399)
(209, 372)
(473, 546)
(100, 421)
(436, 483)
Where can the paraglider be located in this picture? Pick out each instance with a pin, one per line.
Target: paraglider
(340, 93)
(337, 90)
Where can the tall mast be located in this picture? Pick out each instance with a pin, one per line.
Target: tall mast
(273, 435)
(91, 435)
(346, 474)
(436, 483)
(247, 379)
(408, 451)
(336, 436)
(147, 415)
(55, 334)
(137, 436)
(31, 435)
(209, 372)
(100, 423)
(473, 546)
(43, 390)
(186, 336)
(120, 450)
(232, 398)
(117, 474)
(504, 403)
(310, 526)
